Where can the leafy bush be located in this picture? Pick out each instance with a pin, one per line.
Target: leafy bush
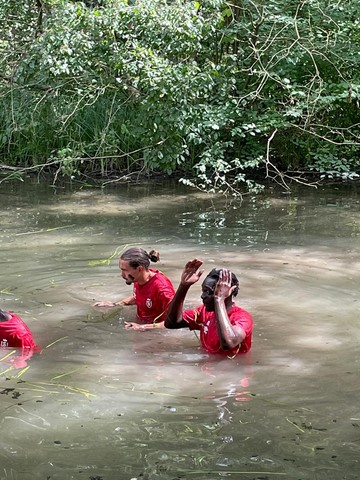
(225, 93)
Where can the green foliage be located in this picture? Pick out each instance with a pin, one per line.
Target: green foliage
(216, 90)
(330, 165)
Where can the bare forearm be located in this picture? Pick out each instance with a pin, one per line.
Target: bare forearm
(142, 327)
(229, 336)
(174, 312)
(125, 301)
(189, 276)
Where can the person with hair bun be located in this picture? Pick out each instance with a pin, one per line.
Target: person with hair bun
(152, 291)
(224, 327)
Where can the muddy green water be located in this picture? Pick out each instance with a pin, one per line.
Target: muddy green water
(104, 403)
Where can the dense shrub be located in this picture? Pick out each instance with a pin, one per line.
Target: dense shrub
(225, 93)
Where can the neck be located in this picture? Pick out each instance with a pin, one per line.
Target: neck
(229, 303)
(146, 277)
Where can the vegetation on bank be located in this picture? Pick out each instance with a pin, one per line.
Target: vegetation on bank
(228, 93)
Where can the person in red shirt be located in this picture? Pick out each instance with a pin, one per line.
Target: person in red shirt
(224, 327)
(14, 333)
(152, 290)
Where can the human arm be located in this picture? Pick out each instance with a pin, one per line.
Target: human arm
(230, 336)
(142, 326)
(125, 301)
(189, 276)
(163, 295)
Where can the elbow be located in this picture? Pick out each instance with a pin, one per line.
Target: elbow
(170, 322)
(233, 341)
(230, 344)
(170, 316)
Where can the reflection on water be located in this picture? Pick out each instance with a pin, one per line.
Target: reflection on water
(103, 403)
(17, 357)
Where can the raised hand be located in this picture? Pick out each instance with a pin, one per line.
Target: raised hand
(191, 272)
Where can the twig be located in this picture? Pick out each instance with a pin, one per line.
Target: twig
(296, 426)
(7, 355)
(56, 341)
(44, 230)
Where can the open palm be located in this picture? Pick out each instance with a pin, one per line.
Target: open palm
(191, 272)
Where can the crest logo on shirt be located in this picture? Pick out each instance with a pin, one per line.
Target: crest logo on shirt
(4, 343)
(206, 327)
(148, 303)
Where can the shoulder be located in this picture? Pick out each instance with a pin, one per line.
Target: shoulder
(196, 315)
(15, 318)
(158, 274)
(161, 279)
(239, 315)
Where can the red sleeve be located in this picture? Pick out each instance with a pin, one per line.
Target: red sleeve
(193, 318)
(243, 319)
(165, 293)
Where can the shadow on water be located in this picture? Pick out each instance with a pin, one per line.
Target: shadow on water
(104, 403)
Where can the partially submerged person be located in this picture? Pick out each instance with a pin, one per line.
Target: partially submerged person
(224, 327)
(14, 333)
(152, 291)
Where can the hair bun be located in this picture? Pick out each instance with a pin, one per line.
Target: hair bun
(154, 256)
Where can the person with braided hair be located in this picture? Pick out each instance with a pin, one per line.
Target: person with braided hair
(224, 327)
(152, 291)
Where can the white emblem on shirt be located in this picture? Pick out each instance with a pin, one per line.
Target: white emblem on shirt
(206, 327)
(148, 302)
(4, 343)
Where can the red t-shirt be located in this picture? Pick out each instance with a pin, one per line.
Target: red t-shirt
(15, 333)
(200, 319)
(153, 298)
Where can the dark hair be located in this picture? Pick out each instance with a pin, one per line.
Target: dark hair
(137, 257)
(215, 274)
(4, 316)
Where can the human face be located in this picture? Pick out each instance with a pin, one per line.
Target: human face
(207, 296)
(128, 273)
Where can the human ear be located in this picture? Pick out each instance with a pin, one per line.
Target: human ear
(235, 291)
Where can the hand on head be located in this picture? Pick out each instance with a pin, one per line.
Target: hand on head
(223, 288)
(191, 272)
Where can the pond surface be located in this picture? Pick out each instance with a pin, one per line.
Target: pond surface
(104, 403)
